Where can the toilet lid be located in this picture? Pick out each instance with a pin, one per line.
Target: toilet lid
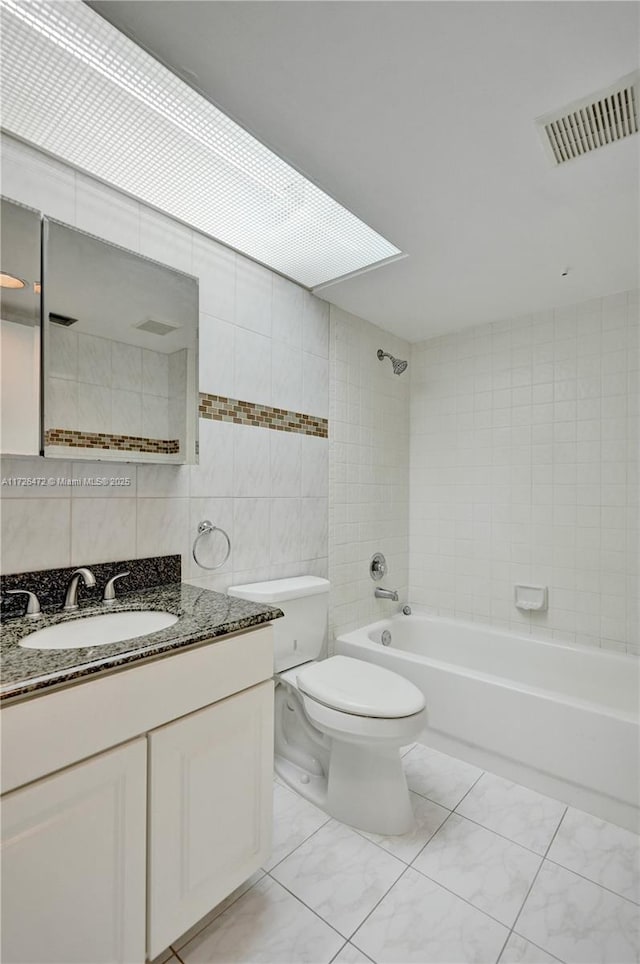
(360, 688)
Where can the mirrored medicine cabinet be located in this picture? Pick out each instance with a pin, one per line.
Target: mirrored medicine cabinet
(99, 347)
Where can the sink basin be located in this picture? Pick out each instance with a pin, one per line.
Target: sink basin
(99, 630)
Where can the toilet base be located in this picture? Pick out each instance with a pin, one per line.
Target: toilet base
(367, 789)
(311, 786)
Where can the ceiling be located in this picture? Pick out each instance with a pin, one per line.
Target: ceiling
(419, 117)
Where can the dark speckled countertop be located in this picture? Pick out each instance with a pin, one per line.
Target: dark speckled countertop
(203, 615)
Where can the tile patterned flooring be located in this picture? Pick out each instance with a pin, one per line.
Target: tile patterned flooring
(492, 873)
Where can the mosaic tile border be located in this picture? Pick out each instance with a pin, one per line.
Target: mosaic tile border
(120, 443)
(50, 585)
(223, 409)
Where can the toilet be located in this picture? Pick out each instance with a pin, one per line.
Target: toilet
(339, 722)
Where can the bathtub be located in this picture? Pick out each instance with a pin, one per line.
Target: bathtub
(561, 719)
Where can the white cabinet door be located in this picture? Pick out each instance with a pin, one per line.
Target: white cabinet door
(73, 863)
(210, 803)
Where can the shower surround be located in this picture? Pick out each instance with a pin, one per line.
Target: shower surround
(524, 469)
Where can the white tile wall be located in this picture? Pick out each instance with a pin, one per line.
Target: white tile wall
(100, 385)
(524, 468)
(259, 335)
(368, 469)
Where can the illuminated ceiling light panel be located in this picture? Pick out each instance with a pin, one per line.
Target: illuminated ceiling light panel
(76, 87)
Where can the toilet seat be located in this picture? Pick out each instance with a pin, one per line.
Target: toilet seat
(363, 729)
(357, 688)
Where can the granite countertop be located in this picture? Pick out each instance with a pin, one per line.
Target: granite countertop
(203, 615)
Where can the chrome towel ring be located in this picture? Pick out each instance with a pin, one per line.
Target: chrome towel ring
(205, 527)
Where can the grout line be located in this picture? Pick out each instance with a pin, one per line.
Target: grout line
(422, 849)
(509, 839)
(297, 847)
(517, 843)
(314, 912)
(443, 805)
(176, 955)
(464, 795)
(465, 900)
(539, 948)
(377, 904)
(589, 880)
(564, 813)
(338, 952)
(535, 877)
(349, 944)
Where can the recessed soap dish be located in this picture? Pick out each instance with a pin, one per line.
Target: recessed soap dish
(532, 598)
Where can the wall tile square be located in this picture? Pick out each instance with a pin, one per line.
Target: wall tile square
(252, 367)
(286, 323)
(286, 378)
(253, 297)
(106, 213)
(215, 266)
(165, 240)
(94, 360)
(103, 529)
(155, 373)
(35, 534)
(63, 353)
(126, 366)
(315, 385)
(216, 356)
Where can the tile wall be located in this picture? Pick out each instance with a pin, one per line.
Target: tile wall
(369, 460)
(101, 385)
(524, 468)
(262, 339)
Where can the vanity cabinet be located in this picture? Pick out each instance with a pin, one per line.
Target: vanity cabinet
(74, 863)
(135, 802)
(210, 801)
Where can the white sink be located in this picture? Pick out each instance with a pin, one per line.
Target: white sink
(99, 630)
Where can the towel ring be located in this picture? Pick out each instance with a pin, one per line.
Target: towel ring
(203, 528)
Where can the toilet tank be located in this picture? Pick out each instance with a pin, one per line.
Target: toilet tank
(304, 600)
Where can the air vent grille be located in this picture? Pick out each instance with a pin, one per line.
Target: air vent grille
(156, 327)
(591, 123)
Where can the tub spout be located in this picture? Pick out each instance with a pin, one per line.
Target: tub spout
(380, 593)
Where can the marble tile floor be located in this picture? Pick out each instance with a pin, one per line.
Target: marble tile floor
(493, 873)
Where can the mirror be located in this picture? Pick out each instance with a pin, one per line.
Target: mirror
(120, 360)
(19, 329)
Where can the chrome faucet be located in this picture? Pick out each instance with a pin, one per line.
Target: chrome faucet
(88, 578)
(380, 593)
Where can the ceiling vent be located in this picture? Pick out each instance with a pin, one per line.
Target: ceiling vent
(65, 320)
(156, 327)
(593, 122)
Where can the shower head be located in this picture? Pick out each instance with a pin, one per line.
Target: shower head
(398, 366)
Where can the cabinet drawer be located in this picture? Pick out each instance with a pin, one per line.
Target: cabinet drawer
(210, 808)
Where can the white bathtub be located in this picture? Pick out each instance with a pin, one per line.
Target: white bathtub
(560, 719)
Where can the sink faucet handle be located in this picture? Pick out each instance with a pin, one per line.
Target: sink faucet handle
(33, 605)
(109, 594)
